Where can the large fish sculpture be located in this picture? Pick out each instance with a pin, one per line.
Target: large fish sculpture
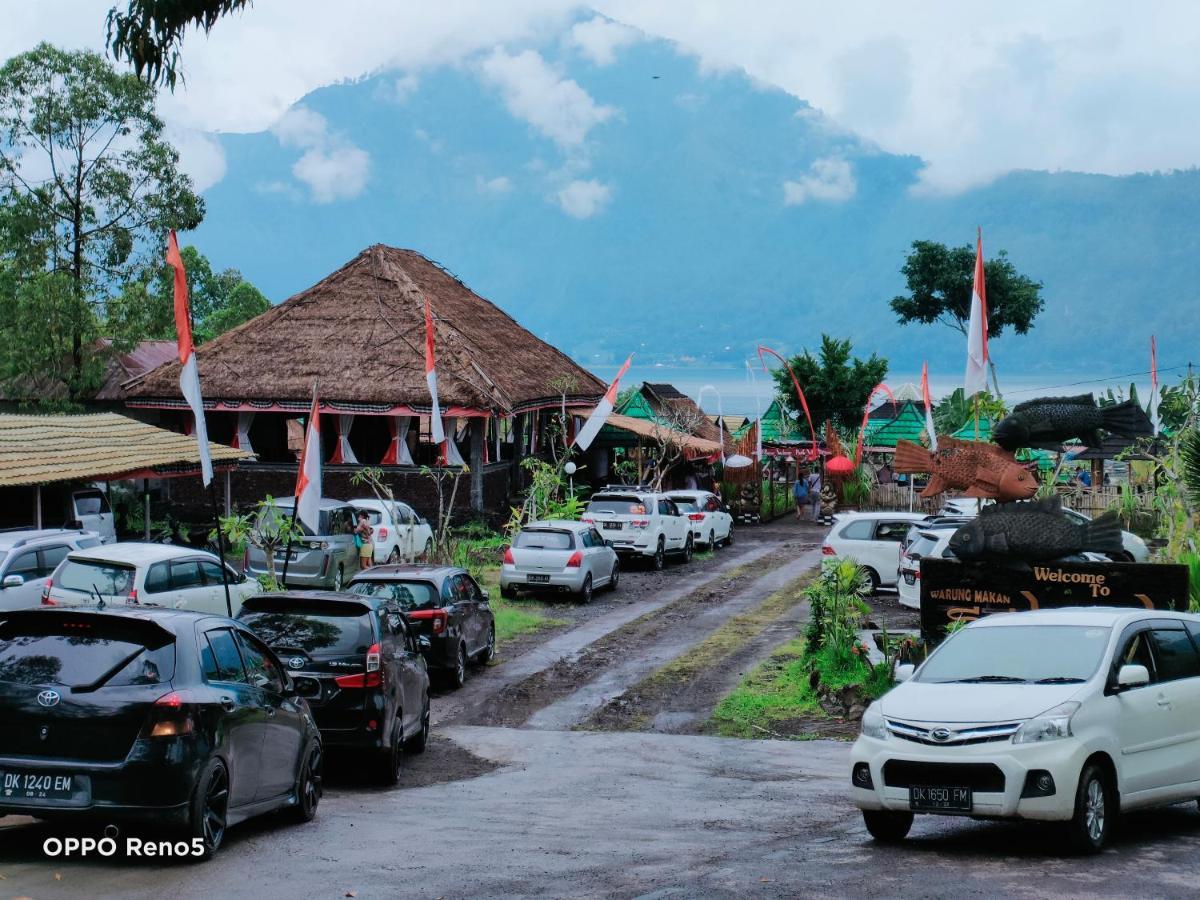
(1036, 530)
(1048, 421)
(975, 468)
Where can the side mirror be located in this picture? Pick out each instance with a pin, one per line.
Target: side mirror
(1132, 676)
(13, 581)
(904, 671)
(485, 595)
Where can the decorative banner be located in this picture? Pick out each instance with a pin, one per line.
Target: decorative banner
(1154, 385)
(953, 591)
(928, 410)
(815, 452)
(977, 328)
(308, 475)
(599, 415)
(866, 415)
(189, 375)
(435, 411)
(757, 412)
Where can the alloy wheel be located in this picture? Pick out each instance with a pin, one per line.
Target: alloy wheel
(339, 577)
(712, 540)
(460, 666)
(1094, 810)
(216, 808)
(615, 578)
(585, 593)
(659, 556)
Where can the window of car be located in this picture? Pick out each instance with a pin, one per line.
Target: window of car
(392, 621)
(222, 661)
(24, 564)
(1022, 653)
(90, 503)
(406, 514)
(260, 668)
(87, 542)
(597, 540)
(340, 520)
(891, 531)
(713, 504)
(211, 572)
(618, 505)
(667, 508)
(89, 575)
(158, 578)
(859, 530)
(543, 539)
(1174, 654)
(185, 574)
(92, 651)
(51, 557)
(407, 595)
(315, 626)
(685, 506)
(1137, 653)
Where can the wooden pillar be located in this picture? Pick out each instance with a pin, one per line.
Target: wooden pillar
(517, 424)
(146, 506)
(37, 507)
(477, 428)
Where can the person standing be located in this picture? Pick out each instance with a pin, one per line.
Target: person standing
(814, 495)
(800, 494)
(362, 540)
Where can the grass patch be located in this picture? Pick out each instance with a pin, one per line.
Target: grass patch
(775, 693)
(513, 617)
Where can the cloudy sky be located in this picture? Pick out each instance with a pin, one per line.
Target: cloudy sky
(974, 90)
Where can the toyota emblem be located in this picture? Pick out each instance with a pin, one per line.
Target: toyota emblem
(941, 735)
(296, 662)
(48, 698)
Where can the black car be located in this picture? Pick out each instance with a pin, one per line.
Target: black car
(356, 661)
(447, 609)
(166, 717)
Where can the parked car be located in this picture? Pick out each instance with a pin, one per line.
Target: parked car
(146, 575)
(29, 556)
(711, 522)
(640, 522)
(404, 538)
(72, 506)
(932, 541)
(559, 555)
(168, 718)
(1071, 715)
(355, 660)
(872, 539)
(326, 560)
(449, 612)
(1135, 549)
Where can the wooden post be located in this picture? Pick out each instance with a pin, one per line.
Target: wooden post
(478, 424)
(518, 453)
(228, 493)
(146, 506)
(37, 507)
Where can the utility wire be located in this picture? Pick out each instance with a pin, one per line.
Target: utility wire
(1104, 380)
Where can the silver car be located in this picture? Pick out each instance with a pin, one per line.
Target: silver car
(325, 560)
(561, 556)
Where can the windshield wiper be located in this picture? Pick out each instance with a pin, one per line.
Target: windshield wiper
(1060, 679)
(981, 679)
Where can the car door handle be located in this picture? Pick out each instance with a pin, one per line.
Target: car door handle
(227, 704)
(1164, 702)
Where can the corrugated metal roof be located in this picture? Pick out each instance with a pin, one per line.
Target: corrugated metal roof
(42, 449)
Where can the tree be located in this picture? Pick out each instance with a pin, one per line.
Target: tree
(940, 278)
(267, 528)
(835, 384)
(662, 449)
(149, 33)
(87, 185)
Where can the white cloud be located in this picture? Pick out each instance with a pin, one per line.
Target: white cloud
(830, 180)
(200, 156)
(332, 167)
(501, 184)
(300, 127)
(599, 39)
(556, 106)
(404, 87)
(584, 199)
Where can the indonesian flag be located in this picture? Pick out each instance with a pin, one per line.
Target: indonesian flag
(435, 415)
(928, 407)
(308, 478)
(189, 375)
(977, 351)
(1154, 384)
(603, 409)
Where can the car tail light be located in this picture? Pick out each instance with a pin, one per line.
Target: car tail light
(373, 658)
(828, 551)
(508, 557)
(46, 601)
(916, 576)
(696, 517)
(576, 560)
(381, 533)
(639, 523)
(170, 716)
(133, 596)
(586, 521)
(361, 680)
(438, 618)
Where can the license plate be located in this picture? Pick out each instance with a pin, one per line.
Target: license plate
(38, 786)
(910, 578)
(923, 797)
(539, 579)
(612, 526)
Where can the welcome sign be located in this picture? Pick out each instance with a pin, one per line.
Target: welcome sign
(953, 591)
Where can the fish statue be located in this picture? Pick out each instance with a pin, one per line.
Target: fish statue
(973, 467)
(1033, 530)
(1048, 421)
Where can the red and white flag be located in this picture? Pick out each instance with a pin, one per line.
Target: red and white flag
(603, 410)
(977, 327)
(1154, 384)
(308, 477)
(928, 406)
(189, 375)
(435, 415)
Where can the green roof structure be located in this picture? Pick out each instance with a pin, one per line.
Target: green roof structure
(968, 433)
(778, 427)
(908, 424)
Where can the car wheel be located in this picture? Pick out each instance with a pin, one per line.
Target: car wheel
(309, 785)
(886, 826)
(585, 592)
(712, 540)
(688, 549)
(1095, 809)
(488, 653)
(390, 760)
(508, 593)
(458, 675)
(210, 808)
(873, 578)
(339, 577)
(660, 556)
(615, 578)
(416, 743)
(729, 537)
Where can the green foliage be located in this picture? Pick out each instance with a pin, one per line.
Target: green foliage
(548, 496)
(1189, 457)
(267, 528)
(148, 33)
(939, 280)
(1178, 403)
(856, 488)
(835, 384)
(955, 410)
(836, 605)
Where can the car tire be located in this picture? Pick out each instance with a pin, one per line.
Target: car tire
(209, 810)
(729, 537)
(417, 743)
(458, 674)
(873, 578)
(712, 539)
(508, 593)
(887, 826)
(585, 592)
(1095, 811)
(659, 559)
(391, 757)
(488, 653)
(339, 577)
(688, 549)
(309, 784)
(614, 578)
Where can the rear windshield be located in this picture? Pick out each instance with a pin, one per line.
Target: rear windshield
(922, 545)
(337, 629)
(90, 503)
(408, 595)
(537, 539)
(84, 652)
(622, 506)
(92, 575)
(686, 506)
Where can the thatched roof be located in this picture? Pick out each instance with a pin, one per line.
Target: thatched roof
(360, 336)
(118, 369)
(42, 449)
(656, 431)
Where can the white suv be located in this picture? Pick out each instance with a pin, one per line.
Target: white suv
(404, 537)
(27, 557)
(873, 540)
(710, 521)
(1070, 715)
(640, 522)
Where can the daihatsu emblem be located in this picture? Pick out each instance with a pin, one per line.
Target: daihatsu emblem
(49, 698)
(296, 662)
(941, 735)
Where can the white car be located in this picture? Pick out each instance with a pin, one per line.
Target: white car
(1071, 715)
(931, 541)
(406, 537)
(561, 556)
(146, 575)
(27, 557)
(872, 539)
(711, 522)
(640, 522)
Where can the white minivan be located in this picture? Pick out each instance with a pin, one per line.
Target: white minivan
(873, 540)
(1070, 715)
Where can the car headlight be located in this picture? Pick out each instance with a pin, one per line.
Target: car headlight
(1052, 725)
(873, 725)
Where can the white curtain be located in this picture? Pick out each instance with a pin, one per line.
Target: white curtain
(241, 439)
(345, 453)
(453, 457)
(403, 455)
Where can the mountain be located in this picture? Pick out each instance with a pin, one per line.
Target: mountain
(650, 213)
